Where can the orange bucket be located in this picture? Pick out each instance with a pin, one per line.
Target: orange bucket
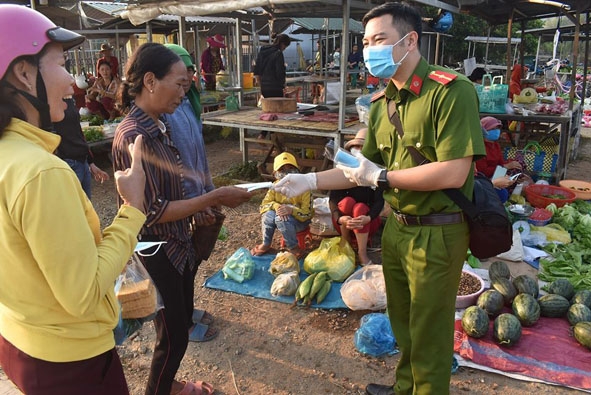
(247, 80)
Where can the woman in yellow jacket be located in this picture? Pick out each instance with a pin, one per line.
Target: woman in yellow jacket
(57, 271)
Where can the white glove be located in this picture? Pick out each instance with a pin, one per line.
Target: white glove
(364, 175)
(295, 184)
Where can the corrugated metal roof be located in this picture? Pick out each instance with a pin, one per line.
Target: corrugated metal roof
(195, 19)
(334, 24)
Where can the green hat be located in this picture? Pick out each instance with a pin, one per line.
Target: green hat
(182, 52)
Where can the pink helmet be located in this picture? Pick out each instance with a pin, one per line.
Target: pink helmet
(24, 31)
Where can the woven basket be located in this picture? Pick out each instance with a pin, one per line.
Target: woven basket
(138, 299)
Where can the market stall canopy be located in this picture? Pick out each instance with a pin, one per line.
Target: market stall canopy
(500, 11)
(316, 25)
(147, 10)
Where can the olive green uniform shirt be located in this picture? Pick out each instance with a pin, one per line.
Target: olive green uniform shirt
(440, 119)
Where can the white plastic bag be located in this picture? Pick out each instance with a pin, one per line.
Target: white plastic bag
(365, 289)
(514, 254)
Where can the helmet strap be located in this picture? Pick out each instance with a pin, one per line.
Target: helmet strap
(39, 102)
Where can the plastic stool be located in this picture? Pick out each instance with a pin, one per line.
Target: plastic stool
(302, 236)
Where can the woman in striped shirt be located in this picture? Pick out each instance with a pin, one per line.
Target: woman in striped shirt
(154, 85)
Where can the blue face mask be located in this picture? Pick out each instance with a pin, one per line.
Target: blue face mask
(492, 135)
(379, 62)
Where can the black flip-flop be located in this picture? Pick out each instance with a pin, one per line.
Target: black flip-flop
(202, 316)
(199, 333)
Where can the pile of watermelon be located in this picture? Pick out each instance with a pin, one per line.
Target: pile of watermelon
(522, 295)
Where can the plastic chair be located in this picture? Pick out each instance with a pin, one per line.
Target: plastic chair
(302, 236)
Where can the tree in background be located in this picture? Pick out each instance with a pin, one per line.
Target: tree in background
(456, 48)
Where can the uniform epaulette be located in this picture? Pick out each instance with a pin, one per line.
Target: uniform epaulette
(378, 95)
(443, 77)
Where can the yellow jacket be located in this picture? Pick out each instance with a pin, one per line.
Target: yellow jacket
(302, 204)
(57, 272)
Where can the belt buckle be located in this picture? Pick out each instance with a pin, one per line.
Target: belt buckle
(401, 217)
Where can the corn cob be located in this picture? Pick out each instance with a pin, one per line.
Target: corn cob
(323, 291)
(304, 288)
(318, 283)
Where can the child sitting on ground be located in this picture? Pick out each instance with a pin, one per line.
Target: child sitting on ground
(288, 215)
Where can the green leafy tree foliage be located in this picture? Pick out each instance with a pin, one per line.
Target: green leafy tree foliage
(456, 48)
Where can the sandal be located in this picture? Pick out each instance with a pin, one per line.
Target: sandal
(260, 249)
(202, 333)
(196, 388)
(202, 316)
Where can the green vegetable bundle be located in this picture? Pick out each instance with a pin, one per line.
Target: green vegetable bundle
(570, 261)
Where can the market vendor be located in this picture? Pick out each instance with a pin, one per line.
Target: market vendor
(491, 130)
(211, 61)
(515, 83)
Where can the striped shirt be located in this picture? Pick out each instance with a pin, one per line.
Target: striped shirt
(162, 164)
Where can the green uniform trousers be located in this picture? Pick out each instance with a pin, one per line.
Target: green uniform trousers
(422, 269)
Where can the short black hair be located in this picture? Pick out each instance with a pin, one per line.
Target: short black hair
(477, 74)
(405, 18)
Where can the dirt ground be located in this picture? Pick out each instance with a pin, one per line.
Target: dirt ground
(265, 347)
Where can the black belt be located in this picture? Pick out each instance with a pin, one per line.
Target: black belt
(432, 219)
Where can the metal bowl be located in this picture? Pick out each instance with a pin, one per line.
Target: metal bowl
(521, 210)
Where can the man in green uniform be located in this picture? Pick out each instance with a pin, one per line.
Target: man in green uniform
(425, 240)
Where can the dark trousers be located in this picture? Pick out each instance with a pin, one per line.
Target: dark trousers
(172, 323)
(99, 375)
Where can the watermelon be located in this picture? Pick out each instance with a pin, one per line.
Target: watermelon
(491, 301)
(562, 287)
(582, 332)
(526, 309)
(583, 297)
(578, 312)
(507, 329)
(552, 305)
(475, 322)
(525, 284)
(498, 269)
(506, 288)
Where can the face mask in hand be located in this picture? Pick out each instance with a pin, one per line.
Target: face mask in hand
(492, 135)
(379, 62)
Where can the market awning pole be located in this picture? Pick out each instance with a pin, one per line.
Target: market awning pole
(509, 65)
(437, 49)
(343, 68)
(586, 61)
(537, 54)
(573, 77)
(486, 50)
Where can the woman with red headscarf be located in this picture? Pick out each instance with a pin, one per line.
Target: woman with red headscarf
(211, 60)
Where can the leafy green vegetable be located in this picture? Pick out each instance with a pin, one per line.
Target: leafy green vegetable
(93, 133)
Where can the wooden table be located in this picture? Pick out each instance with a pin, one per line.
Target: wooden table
(292, 124)
(568, 124)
